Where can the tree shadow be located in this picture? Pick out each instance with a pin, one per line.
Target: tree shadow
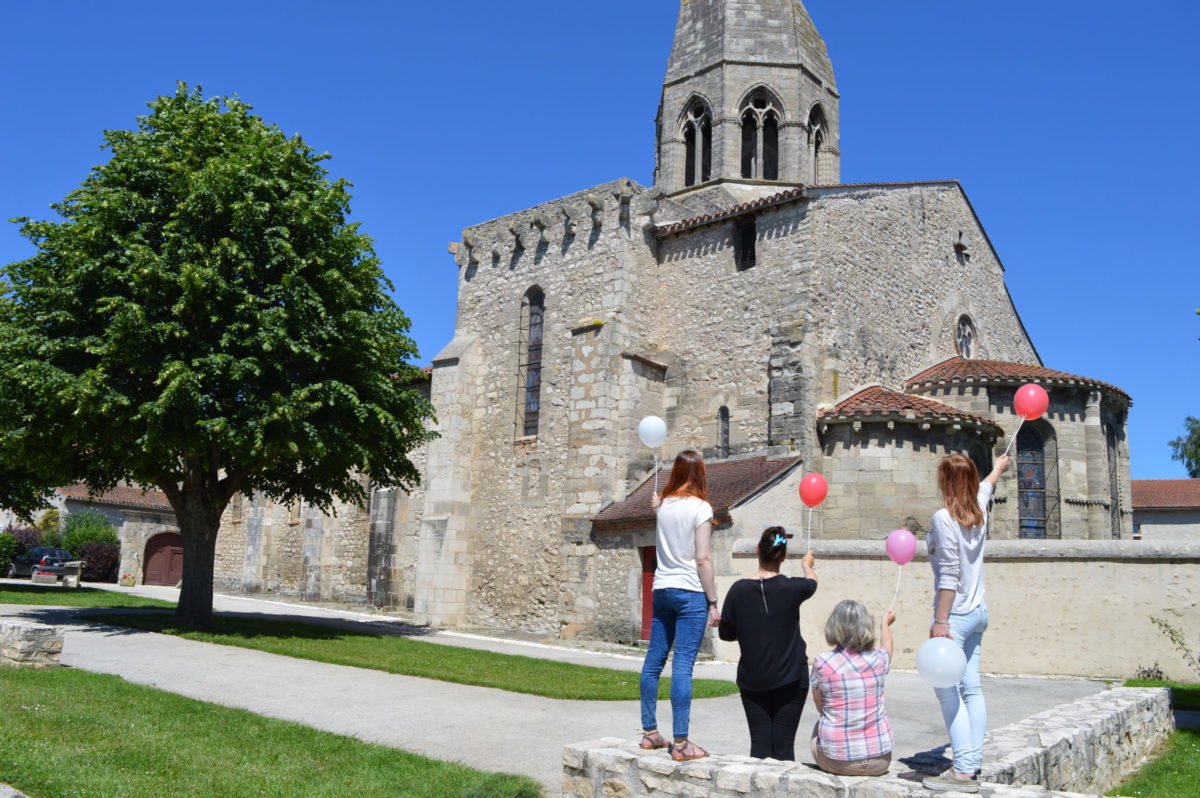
(245, 625)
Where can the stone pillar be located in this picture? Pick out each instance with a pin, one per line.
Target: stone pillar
(445, 543)
(1096, 452)
(381, 548)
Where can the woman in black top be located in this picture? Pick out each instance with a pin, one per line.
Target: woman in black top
(763, 615)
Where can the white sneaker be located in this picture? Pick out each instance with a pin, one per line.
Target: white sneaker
(951, 780)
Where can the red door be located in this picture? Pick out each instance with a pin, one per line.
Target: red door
(649, 563)
(164, 560)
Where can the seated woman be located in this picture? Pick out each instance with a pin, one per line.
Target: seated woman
(853, 736)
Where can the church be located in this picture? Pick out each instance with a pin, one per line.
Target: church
(780, 321)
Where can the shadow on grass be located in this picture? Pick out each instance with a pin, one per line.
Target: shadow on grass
(257, 625)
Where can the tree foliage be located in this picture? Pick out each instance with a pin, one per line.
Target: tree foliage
(1186, 448)
(87, 526)
(205, 320)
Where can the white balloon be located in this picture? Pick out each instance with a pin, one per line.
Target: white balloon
(941, 662)
(653, 431)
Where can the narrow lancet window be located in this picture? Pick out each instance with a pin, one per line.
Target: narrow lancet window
(697, 145)
(745, 235)
(817, 133)
(723, 432)
(529, 391)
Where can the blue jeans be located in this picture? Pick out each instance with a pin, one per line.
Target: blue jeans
(963, 707)
(679, 619)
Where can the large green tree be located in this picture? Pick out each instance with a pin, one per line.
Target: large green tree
(1186, 448)
(204, 320)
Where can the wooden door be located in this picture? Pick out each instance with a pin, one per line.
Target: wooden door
(649, 563)
(164, 560)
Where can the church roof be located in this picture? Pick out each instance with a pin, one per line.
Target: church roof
(782, 198)
(769, 32)
(120, 496)
(877, 403)
(730, 482)
(999, 372)
(1162, 494)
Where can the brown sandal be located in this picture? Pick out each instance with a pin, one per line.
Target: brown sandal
(687, 750)
(652, 740)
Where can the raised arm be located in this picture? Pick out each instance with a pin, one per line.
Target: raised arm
(885, 632)
(999, 468)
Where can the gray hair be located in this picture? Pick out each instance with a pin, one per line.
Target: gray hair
(849, 626)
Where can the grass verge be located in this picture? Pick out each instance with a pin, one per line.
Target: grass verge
(73, 733)
(392, 654)
(1184, 695)
(1174, 774)
(58, 596)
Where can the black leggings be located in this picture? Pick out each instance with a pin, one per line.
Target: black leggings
(773, 717)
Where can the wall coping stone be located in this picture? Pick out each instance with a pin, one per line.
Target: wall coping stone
(1094, 739)
(1140, 550)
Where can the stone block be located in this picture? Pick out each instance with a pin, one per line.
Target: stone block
(738, 777)
(577, 787)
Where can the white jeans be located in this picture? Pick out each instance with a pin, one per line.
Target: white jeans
(963, 707)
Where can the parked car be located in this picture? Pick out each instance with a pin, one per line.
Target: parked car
(40, 558)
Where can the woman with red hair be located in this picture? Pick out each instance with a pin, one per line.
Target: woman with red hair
(685, 599)
(959, 611)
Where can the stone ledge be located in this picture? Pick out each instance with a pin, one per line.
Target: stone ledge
(30, 645)
(1087, 745)
(1140, 550)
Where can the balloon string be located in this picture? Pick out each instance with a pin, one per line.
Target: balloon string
(810, 528)
(1014, 436)
(899, 571)
(656, 471)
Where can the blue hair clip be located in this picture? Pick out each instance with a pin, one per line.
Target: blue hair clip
(780, 540)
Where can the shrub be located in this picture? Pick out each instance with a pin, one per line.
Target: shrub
(49, 521)
(26, 537)
(8, 549)
(52, 538)
(101, 561)
(87, 526)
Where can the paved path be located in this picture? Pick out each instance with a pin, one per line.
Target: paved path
(482, 727)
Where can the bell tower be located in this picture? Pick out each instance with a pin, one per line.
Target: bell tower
(749, 97)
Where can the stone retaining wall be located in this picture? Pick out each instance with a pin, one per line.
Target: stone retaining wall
(30, 645)
(1088, 745)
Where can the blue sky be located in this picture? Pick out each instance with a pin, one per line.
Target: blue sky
(1072, 126)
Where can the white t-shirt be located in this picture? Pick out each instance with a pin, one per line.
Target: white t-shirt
(956, 555)
(678, 517)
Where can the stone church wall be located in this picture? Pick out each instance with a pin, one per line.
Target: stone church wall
(890, 284)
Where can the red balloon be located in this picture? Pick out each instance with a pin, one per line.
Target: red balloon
(813, 489)
(1031, 401)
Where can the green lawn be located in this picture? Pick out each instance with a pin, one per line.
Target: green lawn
(74, 734)
(340, 646)
(1184, 695)
(58, 596)
(1174, 774)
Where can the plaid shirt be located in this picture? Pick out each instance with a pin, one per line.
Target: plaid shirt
(854, 722)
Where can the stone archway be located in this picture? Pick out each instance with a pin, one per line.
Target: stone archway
(164, 560)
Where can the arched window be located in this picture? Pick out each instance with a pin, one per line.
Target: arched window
(817, 133)
(529, 391)
(723, 432)
(697, 145)
(760, 138)
(1031, 483)
(964, 338)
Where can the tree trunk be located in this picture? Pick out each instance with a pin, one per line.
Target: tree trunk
(198, 528)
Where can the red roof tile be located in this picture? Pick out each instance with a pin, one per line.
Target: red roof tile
(956, 369)
(729, 482)
(122, 495)
(1163, 493)
(877, 402)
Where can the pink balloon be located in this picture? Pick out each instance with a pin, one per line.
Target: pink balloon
(813, 489)
(901, 546)
(1031, 401)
